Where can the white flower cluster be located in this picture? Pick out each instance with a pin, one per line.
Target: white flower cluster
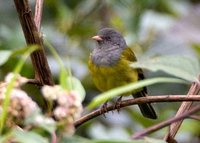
(22, 111)
(68, 107)
(20, 105)
(19, 79)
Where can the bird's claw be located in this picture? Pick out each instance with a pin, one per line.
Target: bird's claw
(118, 104)
(104, 108)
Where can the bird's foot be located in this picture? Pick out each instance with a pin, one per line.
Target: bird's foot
(104, 109)
(118, 104)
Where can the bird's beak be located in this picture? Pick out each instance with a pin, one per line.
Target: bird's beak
(97, 38)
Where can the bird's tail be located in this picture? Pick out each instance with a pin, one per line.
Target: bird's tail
(146, 108)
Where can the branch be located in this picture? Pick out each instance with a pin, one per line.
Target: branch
(195, 117)
(34, 82)
(38, 13)
(53, 137)
(32, 36)
(124, 103)
(185, 106)
(166, 123)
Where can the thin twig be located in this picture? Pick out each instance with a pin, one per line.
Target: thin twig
(165, 123)
(53, 137)
(124, 103)
(185, 106)
(33, 81)
(195, 117)
(38, 13)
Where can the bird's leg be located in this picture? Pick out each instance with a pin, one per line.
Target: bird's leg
(118, 103)
(104, 108)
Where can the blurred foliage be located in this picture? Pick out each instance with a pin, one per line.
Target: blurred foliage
(108, 95)
(151, 28)
(172, 65)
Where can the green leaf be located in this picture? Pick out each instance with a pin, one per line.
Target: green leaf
(76, 86)
(146, 140)
(130, 87)
(118, 141)
(196, 47)
(4, 138)
(152, 140)
(46, 123)
(28, 137)
(77, 139)
(4, 54)
(63, 79)
(183, 67)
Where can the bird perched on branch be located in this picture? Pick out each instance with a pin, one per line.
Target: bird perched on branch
(109, 64)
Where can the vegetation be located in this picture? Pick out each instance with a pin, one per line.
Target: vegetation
(50, 97)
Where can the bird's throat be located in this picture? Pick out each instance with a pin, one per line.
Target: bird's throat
(105, 57)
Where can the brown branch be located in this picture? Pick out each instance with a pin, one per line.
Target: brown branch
(53, 137)
(124, 103)
(166, 123)
(38, 13)
(195, 117)
(32, 36)
(33, 81)
(185, 106)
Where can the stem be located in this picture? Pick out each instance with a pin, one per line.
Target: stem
(166, 123)
(38, 13)
(124, 103)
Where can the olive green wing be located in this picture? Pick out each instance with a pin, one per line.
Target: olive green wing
(145, 108)
(129, 54)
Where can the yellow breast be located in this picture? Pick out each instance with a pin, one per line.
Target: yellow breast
(108, 77)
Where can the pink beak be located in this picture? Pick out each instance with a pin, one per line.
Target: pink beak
(97, 38)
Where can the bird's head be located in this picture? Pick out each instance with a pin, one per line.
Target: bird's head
(108, 38)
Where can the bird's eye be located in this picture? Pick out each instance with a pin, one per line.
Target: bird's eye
(108, 38)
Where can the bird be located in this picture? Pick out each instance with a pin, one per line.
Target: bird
(109, 65)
